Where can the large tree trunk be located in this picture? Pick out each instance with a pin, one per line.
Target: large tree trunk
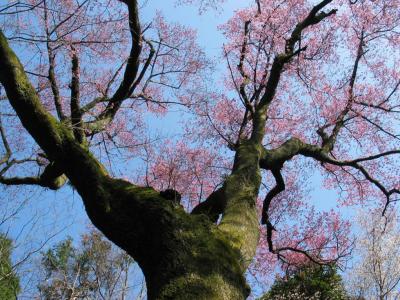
(183, 256)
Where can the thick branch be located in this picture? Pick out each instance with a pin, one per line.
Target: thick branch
(76, 115)
(129, 81)
(276, 190)
(25, 101)
(239, 219)
(132, 65)
(279, 61)
(270, 159)
(52, 178)
(245, 77)
(53, 137)
(51, 73)
(314, 17)
(145, 67)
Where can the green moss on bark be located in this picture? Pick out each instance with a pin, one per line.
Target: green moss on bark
(240, 220)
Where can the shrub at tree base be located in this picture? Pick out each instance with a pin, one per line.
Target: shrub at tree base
(309, 283)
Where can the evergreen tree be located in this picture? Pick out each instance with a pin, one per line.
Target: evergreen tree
(311, 282)
(9, 281)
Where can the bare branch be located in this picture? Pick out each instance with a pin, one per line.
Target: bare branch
(20, 7)
(276, 190)
(7, 155)
(329, 142)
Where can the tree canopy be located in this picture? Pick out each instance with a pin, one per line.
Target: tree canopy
(306, 87)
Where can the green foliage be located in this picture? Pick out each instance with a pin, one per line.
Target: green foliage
(95, 269)
(9, 281)
(310, 282)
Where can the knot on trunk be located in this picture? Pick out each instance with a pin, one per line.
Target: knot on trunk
(171, 195)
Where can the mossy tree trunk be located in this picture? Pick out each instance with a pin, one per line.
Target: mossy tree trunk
(183, 256)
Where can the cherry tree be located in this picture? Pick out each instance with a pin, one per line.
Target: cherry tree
(309, 86)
